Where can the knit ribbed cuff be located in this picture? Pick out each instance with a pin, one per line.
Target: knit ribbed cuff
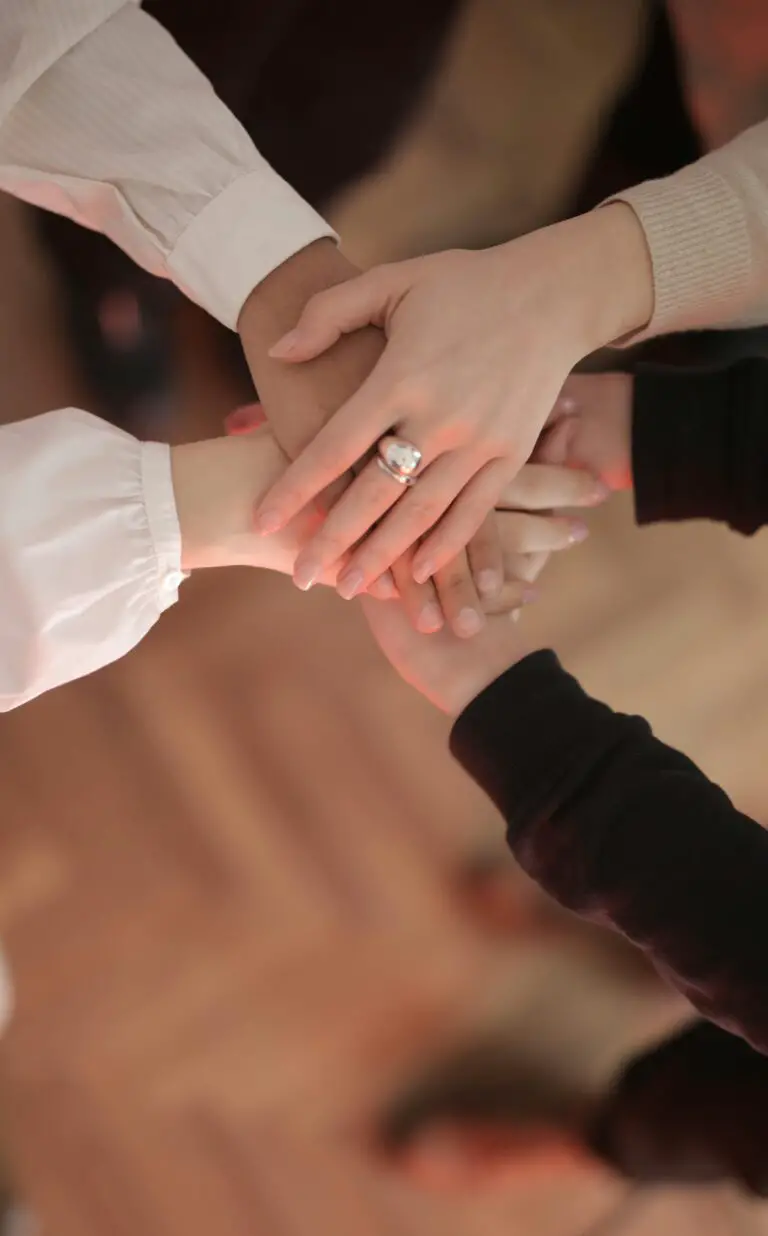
(697, 235)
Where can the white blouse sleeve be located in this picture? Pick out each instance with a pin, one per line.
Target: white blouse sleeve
(90, 548)
(104, 119)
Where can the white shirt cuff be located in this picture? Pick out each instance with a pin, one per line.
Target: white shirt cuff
(246, 231)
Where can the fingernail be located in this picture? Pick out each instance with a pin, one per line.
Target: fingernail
(422, 571)
(284, 346)
(431, 618)
(599, 494)
(244, 420)
(268, 521)
(579, 532)
(468, 622)
(530, 594)
(489, 582)
(305, 575)
(350, 584)
(384, 587)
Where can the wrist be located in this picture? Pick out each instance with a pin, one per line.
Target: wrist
(466, 682)
(299, 399)
(216, 484)
(618, 272)
(274, 304)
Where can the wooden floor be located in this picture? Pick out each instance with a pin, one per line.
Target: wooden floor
(225, 871)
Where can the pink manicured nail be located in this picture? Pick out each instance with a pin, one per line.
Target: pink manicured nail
(284, 346)
(579, 532)
(599, 493)
(383, 588)
(468, 622)
(431, 618)
(423, 571)
(349, 585)
(244, 420)
(489, 582)
(306, 575)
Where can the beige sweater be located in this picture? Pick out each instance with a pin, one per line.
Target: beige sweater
(707, 231)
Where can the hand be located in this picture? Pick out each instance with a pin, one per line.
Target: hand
(447, 670)
(479, 345)
(591, 427)
(298, 401)
(512, 550)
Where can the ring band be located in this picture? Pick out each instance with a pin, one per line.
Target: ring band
(400, 477)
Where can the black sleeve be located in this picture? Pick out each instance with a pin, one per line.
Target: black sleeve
(691, 1109)
(629, 833)
(700, 445)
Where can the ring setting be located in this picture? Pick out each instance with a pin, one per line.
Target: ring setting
(399, 458)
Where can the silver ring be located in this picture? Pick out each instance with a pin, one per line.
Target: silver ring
(401, 457)
(396, 476)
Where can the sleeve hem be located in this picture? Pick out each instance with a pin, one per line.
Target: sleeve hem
(699, 243)
(162, 520)
(242, 235)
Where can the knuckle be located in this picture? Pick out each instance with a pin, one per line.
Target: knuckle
(424, 511)
(454, 577)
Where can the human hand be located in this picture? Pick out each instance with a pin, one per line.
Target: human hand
(479, 345)
(514, 554)
(591, 427)
(445, 669)
(299, 400)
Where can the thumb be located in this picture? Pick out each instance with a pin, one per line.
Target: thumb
(340, 310)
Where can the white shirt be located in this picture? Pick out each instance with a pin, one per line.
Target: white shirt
(105, 120)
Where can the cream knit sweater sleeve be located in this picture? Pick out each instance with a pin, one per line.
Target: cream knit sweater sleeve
(707, 232)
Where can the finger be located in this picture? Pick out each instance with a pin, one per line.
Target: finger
(419, 600)
(555, 444)
(522, 533)
(463, 520)
(340, 310)
(353, 430)
(544, 487)
(459, 597)
(384, 588)
(369, 497)
(527, 566)
(515, 594)
(523, 568)
(520, 571)
(415, 513)
(486, 557)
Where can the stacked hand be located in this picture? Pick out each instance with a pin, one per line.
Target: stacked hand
(589, 434)
(526, 530)
(479, 345)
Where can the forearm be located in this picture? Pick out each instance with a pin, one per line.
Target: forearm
(627, 832)
(299, 399)
(700, 445)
